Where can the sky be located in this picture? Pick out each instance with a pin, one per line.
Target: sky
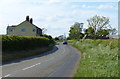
(57, 16)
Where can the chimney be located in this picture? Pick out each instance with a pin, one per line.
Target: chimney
(27, 18)
(31, 21)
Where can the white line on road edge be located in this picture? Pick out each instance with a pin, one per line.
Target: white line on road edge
(31, 66)
(7, 75)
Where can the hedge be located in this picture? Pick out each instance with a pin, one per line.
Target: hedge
(16, 43)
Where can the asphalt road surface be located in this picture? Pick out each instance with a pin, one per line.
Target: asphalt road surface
(59, 62)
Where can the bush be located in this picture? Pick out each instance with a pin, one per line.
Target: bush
(14, 43)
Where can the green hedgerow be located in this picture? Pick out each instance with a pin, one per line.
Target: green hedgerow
(14, 43)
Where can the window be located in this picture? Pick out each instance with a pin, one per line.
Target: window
(10, 30)
(34, 30)
(23, 29)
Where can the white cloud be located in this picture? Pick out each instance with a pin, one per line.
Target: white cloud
(87, 6)
(54, 1)
(105, 6)
(101, 6)
(75, 6)
(94, 0)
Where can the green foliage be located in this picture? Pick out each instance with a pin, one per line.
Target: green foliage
(99, 58)
(75, 31)
(56, 38)
(90, 31)
(112, 31)
(98, 28)
(14, 43)
(102, 32)
(49, 37)
(98, 23)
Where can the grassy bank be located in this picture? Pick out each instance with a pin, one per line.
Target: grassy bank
(6, 57)
(99, 58)
(16, 47)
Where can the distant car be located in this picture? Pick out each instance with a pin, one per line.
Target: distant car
(65, 42)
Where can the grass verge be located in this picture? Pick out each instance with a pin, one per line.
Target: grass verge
(13, 55)
(99, 58)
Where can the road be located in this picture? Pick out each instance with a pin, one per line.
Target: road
(59, 62)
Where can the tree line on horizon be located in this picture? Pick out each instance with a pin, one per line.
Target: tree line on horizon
(98, 28)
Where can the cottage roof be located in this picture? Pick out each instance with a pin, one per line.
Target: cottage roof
(13, 26)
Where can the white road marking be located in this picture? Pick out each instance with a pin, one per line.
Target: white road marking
(31, 66)
(7, 75)
(37, 63)
(50, 59)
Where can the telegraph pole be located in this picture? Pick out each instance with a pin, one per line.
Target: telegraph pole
(65, 37)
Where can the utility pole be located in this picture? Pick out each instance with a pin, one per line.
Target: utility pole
(65, 37)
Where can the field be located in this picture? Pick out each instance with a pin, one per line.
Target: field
(99, 58)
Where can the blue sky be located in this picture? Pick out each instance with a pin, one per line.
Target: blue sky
(56, 15)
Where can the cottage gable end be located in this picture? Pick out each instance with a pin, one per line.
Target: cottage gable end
(26, 28)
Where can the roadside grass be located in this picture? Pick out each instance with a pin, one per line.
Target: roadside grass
(99, 58)
(8, 56)
(57, 41)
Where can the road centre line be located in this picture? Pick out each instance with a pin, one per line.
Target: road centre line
(40, 63)
(31, 66)
(7, 75)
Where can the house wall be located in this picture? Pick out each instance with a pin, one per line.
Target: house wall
(28, 29)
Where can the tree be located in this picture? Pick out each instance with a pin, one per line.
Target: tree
(98, 23)
(99, 26)
(56, 38)
(47, 36)
(112, 31)
(102, 33)
(90, 31)
(61, 37)
(76, 31)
